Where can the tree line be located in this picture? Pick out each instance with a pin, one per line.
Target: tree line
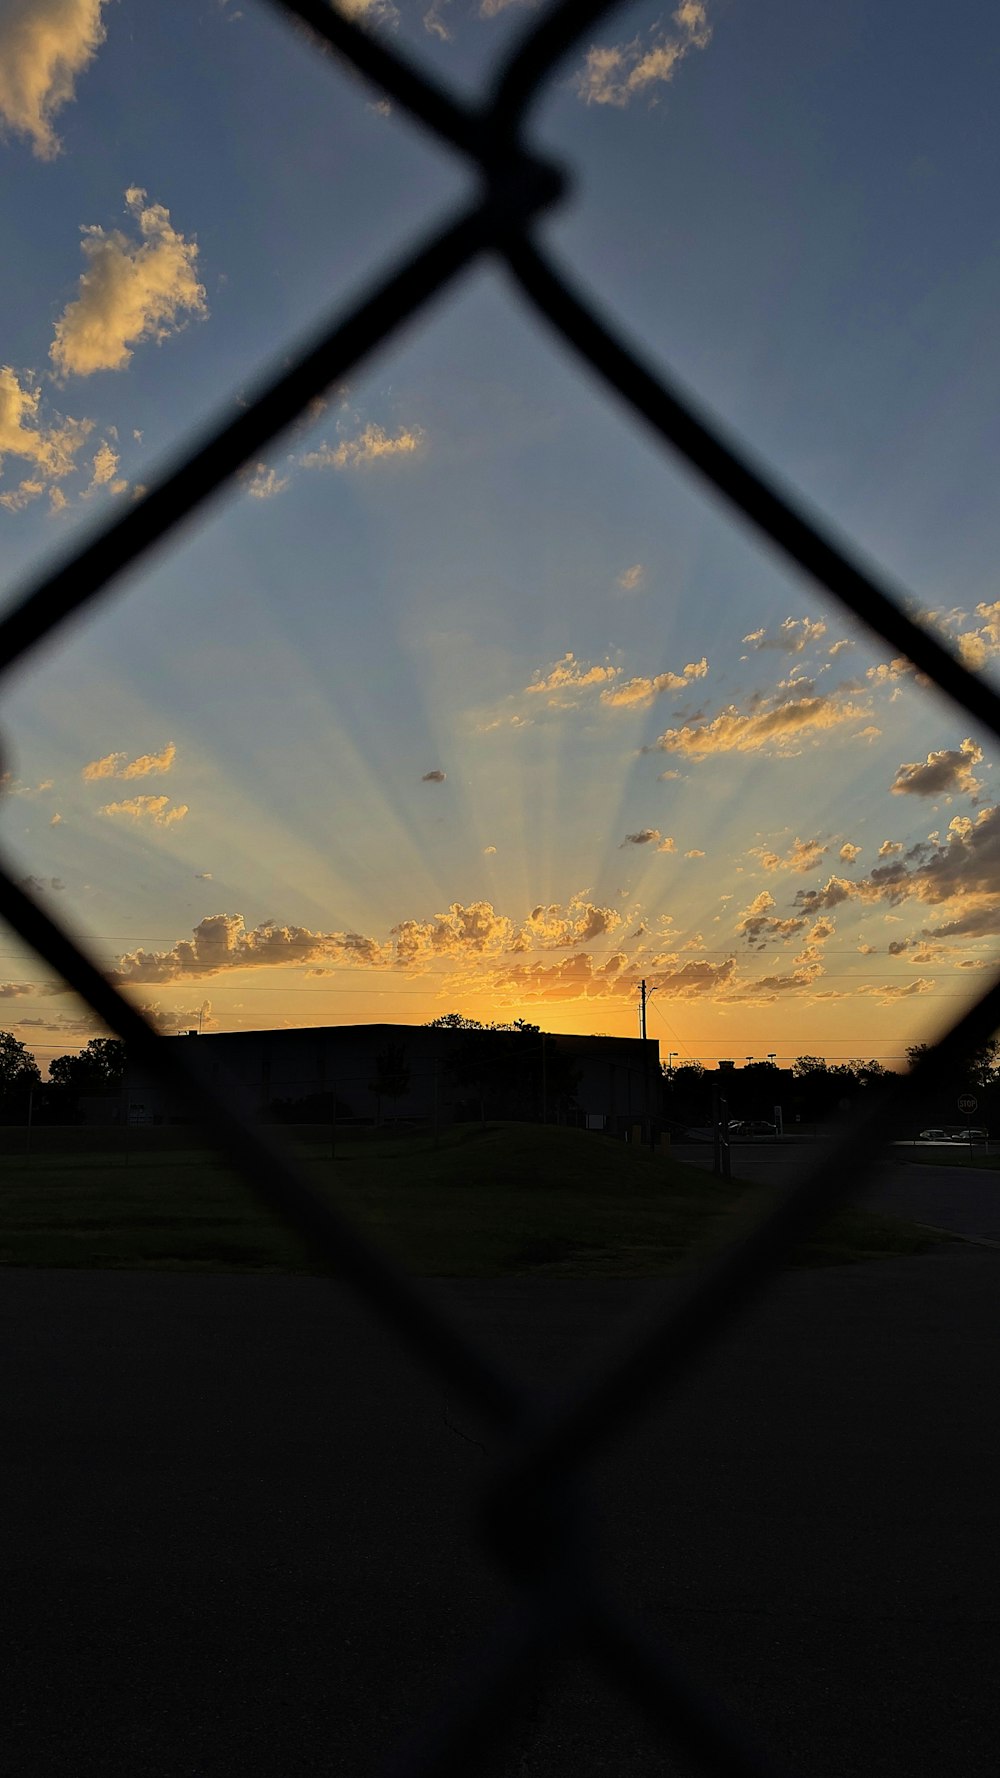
(99, 1068)
(813, 1091)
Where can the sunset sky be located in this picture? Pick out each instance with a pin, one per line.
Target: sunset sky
(467, 697)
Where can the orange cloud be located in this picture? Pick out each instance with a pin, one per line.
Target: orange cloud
(148, 808)
(117, 765)
(568, 674)
(772, 725)
(803, 856)
(636, 692)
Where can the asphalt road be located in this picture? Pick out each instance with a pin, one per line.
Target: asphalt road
(236, 1525)
(963, 1200)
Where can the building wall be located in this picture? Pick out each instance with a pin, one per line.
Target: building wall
(618, 1077)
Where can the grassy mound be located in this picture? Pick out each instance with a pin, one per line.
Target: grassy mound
(480, 1201)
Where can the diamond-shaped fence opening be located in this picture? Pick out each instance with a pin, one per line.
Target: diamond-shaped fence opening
(534, 1513)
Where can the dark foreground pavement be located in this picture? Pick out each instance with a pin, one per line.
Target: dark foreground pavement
(235, 1523)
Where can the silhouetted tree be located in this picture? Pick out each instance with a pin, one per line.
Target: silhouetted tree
(18, 1068)
(99, 1067)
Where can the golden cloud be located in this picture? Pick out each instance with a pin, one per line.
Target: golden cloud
(636, 692)
(568, 674)
(802, 856)
(265, 483)
(148, 808)
(118, 765)
(772, 724)
(130, 291)
(50, 449)
(474, 931)
(105, 465)
(613, 74)
(44, 45)
(369, 12)
(890, 991)
(371, 446)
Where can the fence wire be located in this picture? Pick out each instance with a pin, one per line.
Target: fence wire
(534, 1518)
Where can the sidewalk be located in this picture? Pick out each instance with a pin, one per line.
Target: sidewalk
(236, 1524)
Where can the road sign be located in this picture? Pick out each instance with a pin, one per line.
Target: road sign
(967, 1103)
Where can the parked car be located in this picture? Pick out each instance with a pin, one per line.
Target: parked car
(970, 1136)
(761, 1127)
(934, 1136)
(736, 1127)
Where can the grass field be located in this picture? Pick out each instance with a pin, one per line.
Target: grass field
(480, 1201)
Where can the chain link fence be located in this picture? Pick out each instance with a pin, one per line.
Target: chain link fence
(534, 1516)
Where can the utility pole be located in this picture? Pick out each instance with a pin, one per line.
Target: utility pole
(645, 1060)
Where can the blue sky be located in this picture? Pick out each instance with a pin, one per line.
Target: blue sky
(663, 755)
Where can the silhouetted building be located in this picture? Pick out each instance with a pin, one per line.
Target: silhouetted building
(415, 1074)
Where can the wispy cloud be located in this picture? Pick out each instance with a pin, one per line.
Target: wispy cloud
(792, 636)
(635, 693)
(890, 991)
(631, 578)
(265, 483)
(148, 808)
(434, 20)
(11, 786)
(777, 724)
(802, 856)
(570, 675)
(567, 678)
(369, 12)
(372, 445)
(44, 46)
(118, 765)
(616, 73)
(50, 448)
(131, 290)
